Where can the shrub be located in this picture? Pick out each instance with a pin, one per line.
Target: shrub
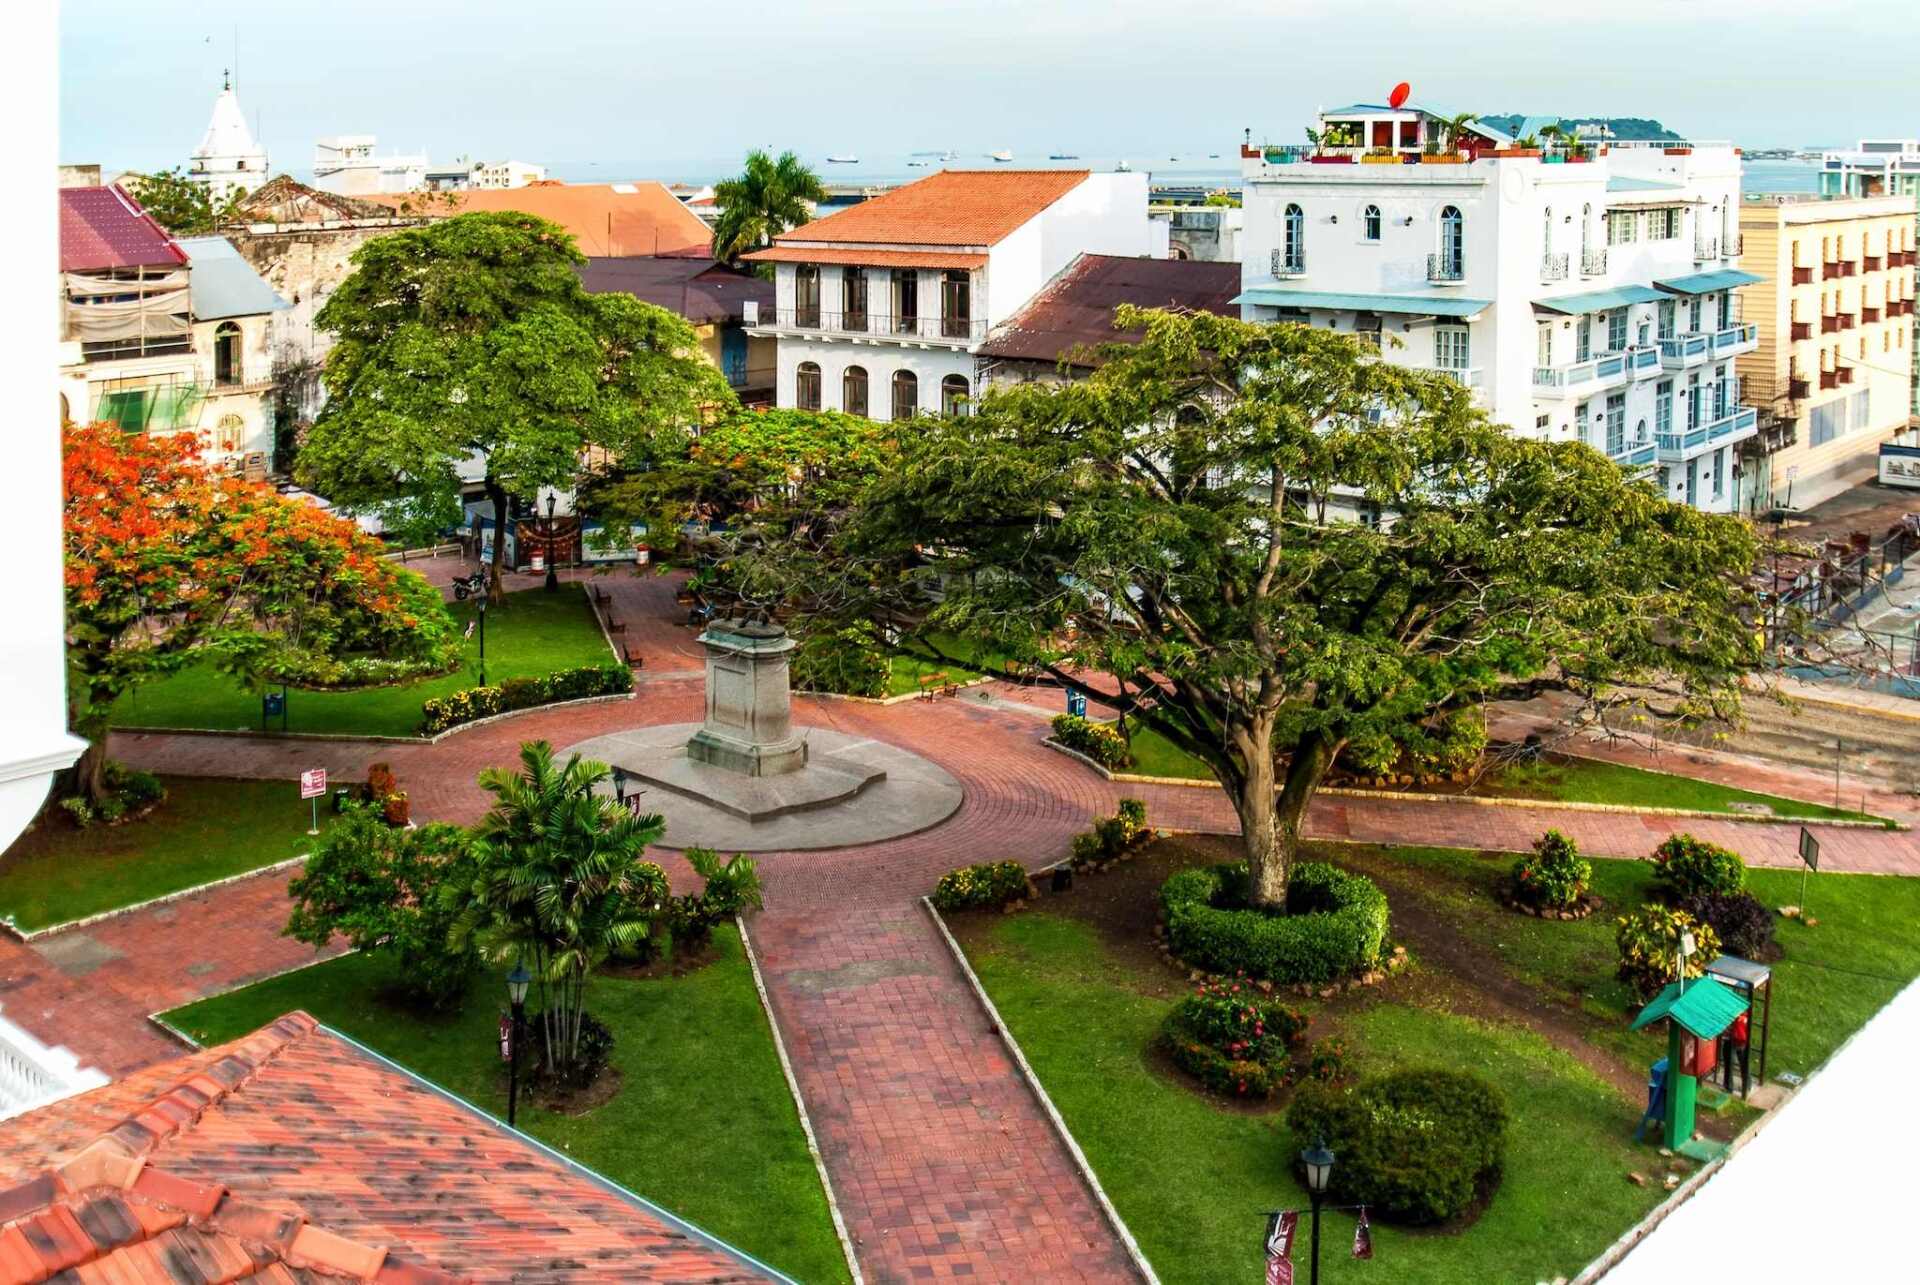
(1100, 742)
(128, 790)
(848, 661)
(988, 886)
(1415, 1146)
(583, 1068)
(78, 810)
(1112, 836)
(729, 887)
(1555, 876)
(1743, 924)
(469, 704)
(1232, 1039)
(1684, 865)
(524, 693)
(380, 782)
(1649, 943)
(1134, 813)
(1327, 1059)
(1334, 925)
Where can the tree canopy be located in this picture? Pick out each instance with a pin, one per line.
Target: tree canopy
(470, 343)
(767, 198)
(180, 204)
(1280, 544)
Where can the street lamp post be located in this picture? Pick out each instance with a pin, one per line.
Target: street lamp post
(482, 603)
(517, 981)
(553, 576)
(1318, 1162)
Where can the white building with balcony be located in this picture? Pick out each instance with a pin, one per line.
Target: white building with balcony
(1582, 291)
(348, 165)
(880, 309)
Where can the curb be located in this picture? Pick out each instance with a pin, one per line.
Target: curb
(1622, 809)
(158, 1018)
(1046, 1103)
(149, 903)
(793, 1087)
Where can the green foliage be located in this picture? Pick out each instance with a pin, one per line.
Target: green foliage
(581, 1065)
(1452, 742)
(1112, 836)
(729, 888)
(1327, 1059)
(1415, 1146)
(1233, 1039)
(127, 791)
(767, 198)
(179, 204)
(1684, 865)
(438, 713)
(1741, 920)
(1648, 940)
(1334, 925)
(849, 661)
(380, 887)
(1100, 742)
(987, 886)
(1555, 877)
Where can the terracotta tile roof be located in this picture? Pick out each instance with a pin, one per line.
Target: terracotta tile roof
(700, 290)
(295, 1156)
(1073, 313)
(605, 218)
(868, 258)
(953, 207)
(104, 227)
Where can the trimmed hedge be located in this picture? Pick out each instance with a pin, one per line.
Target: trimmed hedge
(470, 704)
(1100, 742)
(1415, 1146)
(1335, 925)
(988, 886)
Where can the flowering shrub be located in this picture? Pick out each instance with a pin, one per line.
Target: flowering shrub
(438, 713)
(1684, 865)
(1555, 876)
(1112, 836)
(983, 887)
(1232, 1039)
(1100, 742)
(1649, 944)
(1327, 1059)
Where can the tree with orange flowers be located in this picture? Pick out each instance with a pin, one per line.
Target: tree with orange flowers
(169, 563)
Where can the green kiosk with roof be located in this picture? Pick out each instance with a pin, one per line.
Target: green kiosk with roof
(1696, 1016)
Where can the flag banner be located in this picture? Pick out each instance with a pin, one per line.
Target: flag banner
(1280, 1229)
(1362, 1236)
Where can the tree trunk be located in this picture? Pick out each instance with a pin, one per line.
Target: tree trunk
(89, 772)
(1272, 822)
(496, 591)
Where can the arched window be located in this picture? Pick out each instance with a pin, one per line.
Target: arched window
(806, 386)
(853, 298)
(806, 295)
(1586, 227)
(906, 394)
(1370, 223)
(226, 355)
(853, 390)
(1453, 249)
(1293, 241)
(953, 395)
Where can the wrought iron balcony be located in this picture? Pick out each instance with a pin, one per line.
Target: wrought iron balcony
(1446, 269)
(949, 329)
(1705, 248)
(1593, 263)
(1554, 267)
(1282, 264)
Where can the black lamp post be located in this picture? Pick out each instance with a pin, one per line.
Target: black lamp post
(481, 603)
(517, 981)
(553, 576)
(1318, 1162)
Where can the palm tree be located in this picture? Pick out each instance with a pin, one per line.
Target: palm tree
(1456, 127)
(767, 198)
(559, 883)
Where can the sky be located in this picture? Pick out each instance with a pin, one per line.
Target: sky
(674, 90)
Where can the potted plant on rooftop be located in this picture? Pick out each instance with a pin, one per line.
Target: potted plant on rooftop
(1528, 146)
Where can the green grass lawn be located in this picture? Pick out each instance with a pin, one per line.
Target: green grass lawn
(1193, 1180)
(534, 634)
(207, 829)
(909, 670)
(703, 1123)
(1566, 781)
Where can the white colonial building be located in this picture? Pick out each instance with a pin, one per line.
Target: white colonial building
(228, 159)
(881, 308)
(348, 165)
(1583, 291)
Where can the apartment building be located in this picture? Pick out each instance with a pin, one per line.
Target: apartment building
(348, 165)
(1583, 291)
(1878, 167)
(1833, 370)
(881, 308)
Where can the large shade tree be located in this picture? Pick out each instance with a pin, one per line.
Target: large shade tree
(181, 204)
(1281, 545)
(169, 563)
(470, 345)
(766, 198)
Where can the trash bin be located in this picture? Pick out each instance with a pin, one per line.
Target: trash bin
(340, 797)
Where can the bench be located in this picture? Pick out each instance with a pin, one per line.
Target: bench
(633, 658)
(615, 625)
(600, 596)
(937, 684)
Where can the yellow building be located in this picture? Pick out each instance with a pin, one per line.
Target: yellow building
(1833, 372)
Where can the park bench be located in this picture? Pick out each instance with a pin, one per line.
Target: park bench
(615, 625)
(600, 596)
(631, 655)
(937, 684)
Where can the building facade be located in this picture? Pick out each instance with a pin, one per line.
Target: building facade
(498, 175)
(1583, 292)
(348, 165)
(228, 159)
(881, 309)
(1833, 372)
(1878, 167)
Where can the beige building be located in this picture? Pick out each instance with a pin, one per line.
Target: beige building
(1834, 365)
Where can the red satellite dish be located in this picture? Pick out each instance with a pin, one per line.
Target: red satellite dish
(1398, 98)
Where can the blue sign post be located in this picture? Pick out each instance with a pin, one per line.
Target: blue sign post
(1077, 704)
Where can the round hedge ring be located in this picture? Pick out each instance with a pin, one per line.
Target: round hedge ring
(1335, 925)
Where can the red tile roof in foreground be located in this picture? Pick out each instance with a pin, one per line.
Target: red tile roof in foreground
(295, 1157)
(868, 258)
(953, 207)
(1073, 314)
(104, 227)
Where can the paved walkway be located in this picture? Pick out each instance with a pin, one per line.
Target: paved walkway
(944, 1164)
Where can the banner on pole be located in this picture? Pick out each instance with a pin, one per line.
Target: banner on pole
(313, 784)
(1280, 1229)
(1362, 1236)
(506, 1038)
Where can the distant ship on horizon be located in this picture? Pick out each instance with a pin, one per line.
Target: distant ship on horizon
(1062, 156)
(1002, 156)
(843, 160)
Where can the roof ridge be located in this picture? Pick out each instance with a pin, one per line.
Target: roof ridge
(185, 1102)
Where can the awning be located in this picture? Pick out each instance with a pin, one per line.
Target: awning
(1573, 305)
(1704, 1009)
(1424, 305)
(1708, 282)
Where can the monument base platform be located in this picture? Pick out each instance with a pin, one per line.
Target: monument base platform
(853, 790)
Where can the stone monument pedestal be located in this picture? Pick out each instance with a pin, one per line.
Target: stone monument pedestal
(749, 723)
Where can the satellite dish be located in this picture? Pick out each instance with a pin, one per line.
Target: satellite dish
(1398, 98)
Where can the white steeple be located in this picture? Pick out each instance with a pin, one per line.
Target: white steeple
(228, 157)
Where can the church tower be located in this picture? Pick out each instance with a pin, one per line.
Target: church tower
(228, 159)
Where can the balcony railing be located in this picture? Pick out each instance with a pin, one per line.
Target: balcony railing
(1642, 360)
(1446, 269)
(1728, 338)
(1868, 315)
(1742, 419)
(1466, 376)
(1593, 372)
(1705, 248)
(33, 1074)
(1593, 263)
(1734, 246)
(1553, 267)
(1634, 455)
(1844, 374)
(868, 323)
(1846, 320)
(1281, 264)
(1872, 262)
(1829, 379)
(1685, 350)
(1800, 330)
(1830, 324)
(1797, 388)
(1802, 276)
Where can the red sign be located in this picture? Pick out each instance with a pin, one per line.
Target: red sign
(1398, 98)
(506, 1038)
(313, 784)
